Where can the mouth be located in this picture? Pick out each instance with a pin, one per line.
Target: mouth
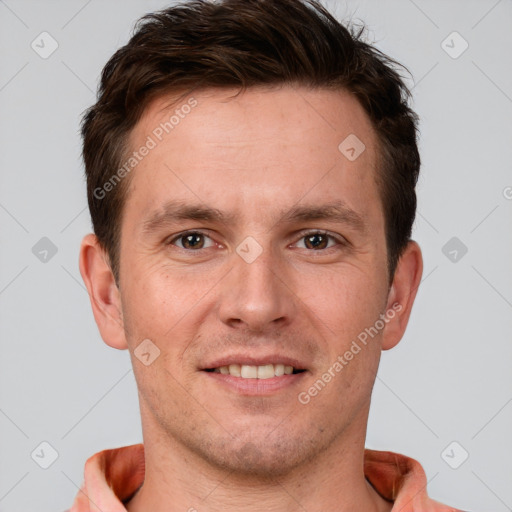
(256, 376)
(247, 371)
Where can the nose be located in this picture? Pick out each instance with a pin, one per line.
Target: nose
(257, 295)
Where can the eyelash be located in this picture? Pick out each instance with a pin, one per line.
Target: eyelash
(340, 240)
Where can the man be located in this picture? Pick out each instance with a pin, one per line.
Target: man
(251, 168)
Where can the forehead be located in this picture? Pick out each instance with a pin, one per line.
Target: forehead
(259, 111)
(264, 147)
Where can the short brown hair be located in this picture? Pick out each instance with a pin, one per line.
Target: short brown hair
(243, 43)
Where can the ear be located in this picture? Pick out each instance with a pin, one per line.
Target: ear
(402, 294)
(103, 292)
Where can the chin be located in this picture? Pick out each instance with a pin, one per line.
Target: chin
(265, 455)
(254, 461)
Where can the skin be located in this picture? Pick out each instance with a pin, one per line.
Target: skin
(255, 157)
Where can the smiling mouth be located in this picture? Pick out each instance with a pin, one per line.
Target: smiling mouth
(266, 371)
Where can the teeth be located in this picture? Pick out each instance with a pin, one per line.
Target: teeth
(246, 371)
(235, 370)
(279, 370)
(249, 372)
(266, 372)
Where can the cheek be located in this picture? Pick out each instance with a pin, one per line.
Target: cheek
(347, 307)
(157, 306)
(150, 306)
(166, 306)
(347, 301)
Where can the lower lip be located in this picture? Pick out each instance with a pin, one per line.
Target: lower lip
(255, 387)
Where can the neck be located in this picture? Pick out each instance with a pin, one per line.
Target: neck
(179, 480)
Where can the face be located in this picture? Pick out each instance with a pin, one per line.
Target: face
(250, 243)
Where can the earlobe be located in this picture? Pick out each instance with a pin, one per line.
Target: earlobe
(103, 292)
(402, 294)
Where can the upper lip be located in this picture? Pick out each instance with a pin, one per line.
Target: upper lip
(245, 359)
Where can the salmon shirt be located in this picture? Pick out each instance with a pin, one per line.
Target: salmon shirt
(112, 477)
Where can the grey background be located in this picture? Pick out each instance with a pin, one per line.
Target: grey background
(449, 379)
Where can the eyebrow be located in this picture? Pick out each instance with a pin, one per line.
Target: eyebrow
(174, 211)
(336, 212)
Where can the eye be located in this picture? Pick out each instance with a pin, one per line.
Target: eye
(318, 240)
(192, 240)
